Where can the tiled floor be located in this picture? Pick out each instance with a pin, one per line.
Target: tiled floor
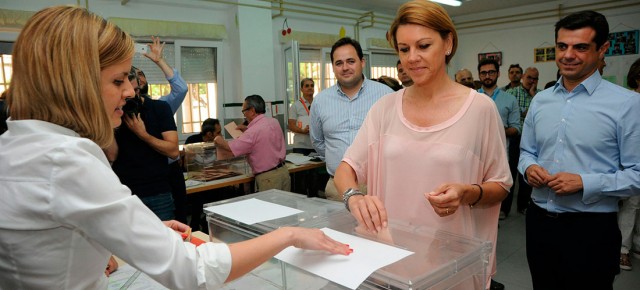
(513, 270)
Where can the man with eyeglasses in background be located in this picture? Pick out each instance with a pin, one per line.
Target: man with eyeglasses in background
(263, 143)
(524, 94)
(489, 72)
(515, 75)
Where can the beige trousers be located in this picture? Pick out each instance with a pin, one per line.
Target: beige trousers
(274, 179)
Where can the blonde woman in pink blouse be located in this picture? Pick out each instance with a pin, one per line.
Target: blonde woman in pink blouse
(432, 154)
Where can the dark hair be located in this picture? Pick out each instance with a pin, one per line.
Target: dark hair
(486, 61)
(390, 82)
(516, 66)
(211, 122)
(550, 84)
(634, 74)
(304, 80)
(584, 19)
(208, 128)
(256, 102)
(347, 41)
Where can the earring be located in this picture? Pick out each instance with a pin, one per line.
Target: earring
(448, 52)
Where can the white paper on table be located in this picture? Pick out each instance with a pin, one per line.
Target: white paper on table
(251, 211)
(297, 159)
(367, 257)
(232, 129)
(127, 277)
(191, 182)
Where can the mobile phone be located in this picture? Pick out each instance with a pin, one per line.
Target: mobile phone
(141, 48)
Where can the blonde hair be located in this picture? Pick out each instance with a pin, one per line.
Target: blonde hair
(57, 61)
(427, 14)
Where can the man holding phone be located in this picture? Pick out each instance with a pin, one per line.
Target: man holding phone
(178, 92)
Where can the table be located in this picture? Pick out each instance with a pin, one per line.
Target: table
(240, 179)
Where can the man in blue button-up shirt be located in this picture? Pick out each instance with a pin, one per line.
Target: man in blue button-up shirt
(489, 72)
(338, 111)
(580, 152)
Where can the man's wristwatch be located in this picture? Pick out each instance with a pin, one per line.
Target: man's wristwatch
(349, 193)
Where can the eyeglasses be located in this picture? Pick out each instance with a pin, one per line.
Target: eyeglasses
(491, 73)
(244, 110)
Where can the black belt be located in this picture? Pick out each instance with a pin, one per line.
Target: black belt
(282, 163)
(567, 215)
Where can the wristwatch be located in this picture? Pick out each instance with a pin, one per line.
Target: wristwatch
(349, 193)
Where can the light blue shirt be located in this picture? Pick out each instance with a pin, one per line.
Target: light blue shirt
(593, 131)
(178, 91)
(336, 119)
(176, 96)
(508, 108)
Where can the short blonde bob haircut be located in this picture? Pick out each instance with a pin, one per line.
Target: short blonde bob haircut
(428, 14)
(57, 61)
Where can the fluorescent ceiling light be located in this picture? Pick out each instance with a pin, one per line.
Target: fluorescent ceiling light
(448, 2)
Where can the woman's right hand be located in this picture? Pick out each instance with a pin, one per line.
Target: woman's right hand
(315, 239)
(369, 212)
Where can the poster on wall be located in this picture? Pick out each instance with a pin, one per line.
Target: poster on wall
(623, 43)
(491, 55)
(543, 54)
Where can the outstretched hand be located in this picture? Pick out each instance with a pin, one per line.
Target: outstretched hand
(315, 239)
(155, 50)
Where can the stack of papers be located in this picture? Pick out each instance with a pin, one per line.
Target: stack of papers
(297, 159)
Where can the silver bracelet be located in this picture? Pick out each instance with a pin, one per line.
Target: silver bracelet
(348, 194)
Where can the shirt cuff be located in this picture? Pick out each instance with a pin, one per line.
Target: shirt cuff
(214, 265)
(591, 188)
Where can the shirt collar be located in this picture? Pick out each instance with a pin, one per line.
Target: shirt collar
(255, 120)
(364, 81)
(38, 126)
(589, 84)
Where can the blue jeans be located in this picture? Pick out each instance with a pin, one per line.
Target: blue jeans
(161, 204)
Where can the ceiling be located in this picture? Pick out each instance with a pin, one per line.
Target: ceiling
(389, 7)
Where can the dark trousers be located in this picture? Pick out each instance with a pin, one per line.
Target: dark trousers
(572, 250)
(524, 193)
(514, 154)
(178, 191)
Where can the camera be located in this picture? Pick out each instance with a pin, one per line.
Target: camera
(132, 106)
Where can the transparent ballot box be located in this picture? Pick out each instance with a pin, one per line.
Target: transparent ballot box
(441, 260)
(312, 209)
(202, 163)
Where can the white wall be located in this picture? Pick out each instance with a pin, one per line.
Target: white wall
(253, 57)
(517, 40)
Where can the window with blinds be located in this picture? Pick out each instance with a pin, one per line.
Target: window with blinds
(198, 68)
(6, 65)
(384, 64)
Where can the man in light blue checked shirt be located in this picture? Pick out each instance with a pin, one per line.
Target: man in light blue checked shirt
(338, 111)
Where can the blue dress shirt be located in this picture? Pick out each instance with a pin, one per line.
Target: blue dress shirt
(593, 131)
(508, 108)
(336, 119)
